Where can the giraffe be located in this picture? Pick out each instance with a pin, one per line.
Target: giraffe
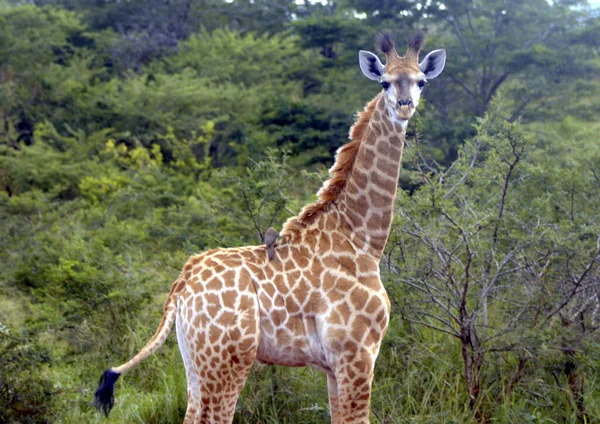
(319, 301)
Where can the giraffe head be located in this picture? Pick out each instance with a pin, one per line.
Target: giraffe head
(403, 77)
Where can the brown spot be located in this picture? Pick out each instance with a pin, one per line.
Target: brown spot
(301, 290)
(246, 303)
(344, 284)
(316, 304)
(373, 305)
(244, 275)
(335, 318)
(335, 296)
(356, 220)
(269, 272)
(233, 261)
(383, 147)
(281, 285)
(359, 298)
(229, 297)
(348, 264)
(328, 281)
(212, 299)
(293, 277)
(246, 344)
(289, 265)
(379, 200)
(341, 244)
(316, 269)
(291, 305)
(265, 302)
(269, 289)
(283, 336)
(205, 274)
(278, 317)
(226, 318)
(330, 261)
(351, 347)
(214, 284)
(234, 334)
(345, 311)
(249, 324)
(361, 326)
(368, 158)
(360, 179)
(336, 334)
(303, 260)
(384, 130)
(365, 363)
(330, 223)
(359, 382)
(255, 270)
(229, 277)
(214, 334)
(324, 243)
(372, 283)
(366, 265)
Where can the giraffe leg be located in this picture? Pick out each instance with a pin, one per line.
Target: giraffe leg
(334, 399)
(193, 382)
(221, 337)
(354, 377)
(221, 387)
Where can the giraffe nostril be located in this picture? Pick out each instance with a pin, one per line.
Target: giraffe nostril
(405, 102)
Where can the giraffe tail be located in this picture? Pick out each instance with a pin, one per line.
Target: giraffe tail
(104, 397)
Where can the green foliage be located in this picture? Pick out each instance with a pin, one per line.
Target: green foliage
(500, 252)
(24, 394)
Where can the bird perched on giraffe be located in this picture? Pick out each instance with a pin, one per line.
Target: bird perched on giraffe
(270, 238)
(321, 303)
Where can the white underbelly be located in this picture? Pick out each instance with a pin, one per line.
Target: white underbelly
(295, 345)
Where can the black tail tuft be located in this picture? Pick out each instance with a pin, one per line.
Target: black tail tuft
(104, 398)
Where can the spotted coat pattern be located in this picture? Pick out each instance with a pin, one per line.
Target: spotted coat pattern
(320, 301)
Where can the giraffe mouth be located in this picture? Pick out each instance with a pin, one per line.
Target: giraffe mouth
(405, 112)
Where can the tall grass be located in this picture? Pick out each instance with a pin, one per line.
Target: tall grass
(418, 379)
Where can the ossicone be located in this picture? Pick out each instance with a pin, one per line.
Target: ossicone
(414, 43)
(384, 42)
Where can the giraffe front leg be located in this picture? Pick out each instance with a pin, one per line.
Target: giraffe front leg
(354, 377)
(334, 399)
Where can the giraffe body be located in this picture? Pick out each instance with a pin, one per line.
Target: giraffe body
(321, 303)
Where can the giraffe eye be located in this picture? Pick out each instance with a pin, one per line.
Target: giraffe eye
(422, 83)
(385, 85)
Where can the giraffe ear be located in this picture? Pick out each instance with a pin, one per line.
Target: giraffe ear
(370, 65)
(433, 64)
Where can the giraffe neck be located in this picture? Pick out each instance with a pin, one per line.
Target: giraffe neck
(367, 200)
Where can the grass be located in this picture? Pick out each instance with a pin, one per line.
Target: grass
(418, 379)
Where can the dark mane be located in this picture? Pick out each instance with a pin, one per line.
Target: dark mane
(340, 171)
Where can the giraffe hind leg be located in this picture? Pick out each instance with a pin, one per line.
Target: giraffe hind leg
(219, 343)
(193, 381)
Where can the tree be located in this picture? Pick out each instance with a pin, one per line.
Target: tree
(485, 259)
